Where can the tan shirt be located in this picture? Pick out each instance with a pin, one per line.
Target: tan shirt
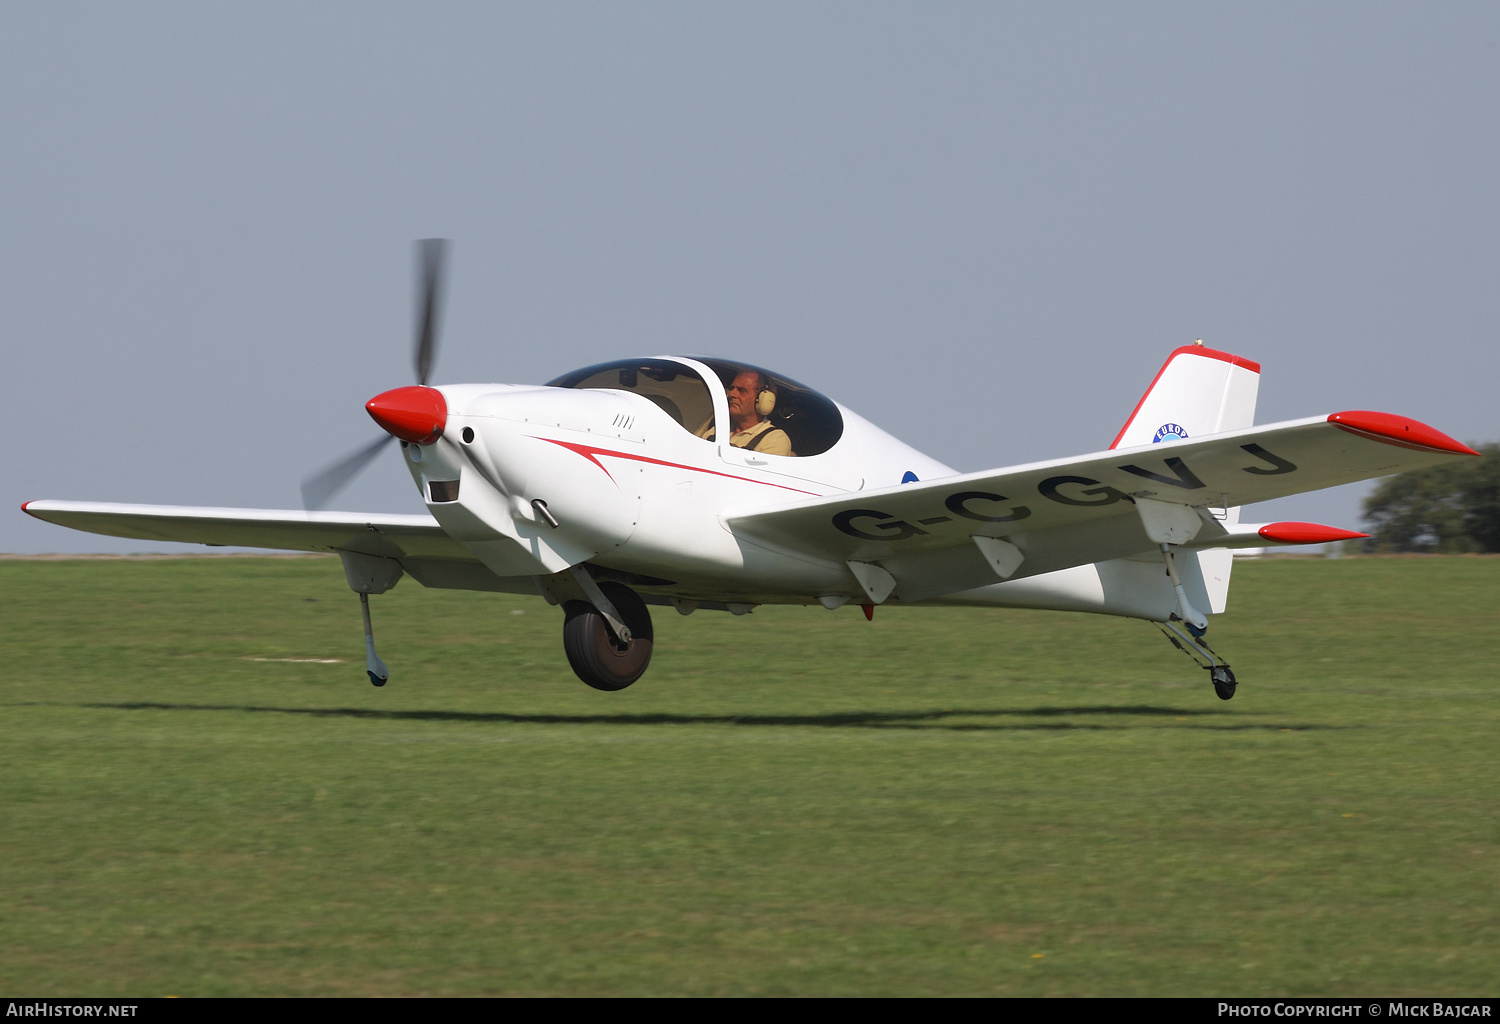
(774, 443)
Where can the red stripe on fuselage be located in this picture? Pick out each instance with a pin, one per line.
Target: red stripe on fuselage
(589, 451)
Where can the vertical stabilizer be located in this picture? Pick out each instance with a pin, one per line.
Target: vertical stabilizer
(1198, 391)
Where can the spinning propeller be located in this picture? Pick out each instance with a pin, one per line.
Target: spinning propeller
(415, 414)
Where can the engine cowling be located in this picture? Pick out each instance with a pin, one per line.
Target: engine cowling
(504, 448)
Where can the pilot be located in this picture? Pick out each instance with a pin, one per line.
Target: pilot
(750, 401)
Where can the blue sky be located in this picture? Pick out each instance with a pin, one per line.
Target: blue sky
(982, 226)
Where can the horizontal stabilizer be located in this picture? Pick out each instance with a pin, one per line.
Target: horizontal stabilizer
(1259, 535)
(1305, 533)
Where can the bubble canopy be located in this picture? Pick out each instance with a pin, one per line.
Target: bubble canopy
(811, 421)
(677, 389)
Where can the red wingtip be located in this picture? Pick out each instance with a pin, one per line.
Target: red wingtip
(24, 504)
(1306, 533)
(1383, 426)
(414, 413)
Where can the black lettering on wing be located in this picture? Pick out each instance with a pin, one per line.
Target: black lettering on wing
(1105, 495)
(896, 529)
(1184, 478)
(958, 505)
(1278, 464)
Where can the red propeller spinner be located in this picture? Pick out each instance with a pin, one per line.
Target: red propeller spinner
(413, 413)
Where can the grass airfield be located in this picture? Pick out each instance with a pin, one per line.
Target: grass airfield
(795, 802)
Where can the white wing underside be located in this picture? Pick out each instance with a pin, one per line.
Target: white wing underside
(282, 529)
(416, 541)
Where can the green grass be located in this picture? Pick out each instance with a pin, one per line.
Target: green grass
(942, 801)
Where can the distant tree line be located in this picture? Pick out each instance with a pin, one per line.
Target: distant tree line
(1454, 507)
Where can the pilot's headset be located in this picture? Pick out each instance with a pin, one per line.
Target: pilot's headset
(766, 400)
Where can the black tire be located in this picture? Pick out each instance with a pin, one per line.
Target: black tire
(1224, 683)
(596, 656)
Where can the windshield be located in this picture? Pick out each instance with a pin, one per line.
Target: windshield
(676, 389)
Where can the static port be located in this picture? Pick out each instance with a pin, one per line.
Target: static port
(468, 435)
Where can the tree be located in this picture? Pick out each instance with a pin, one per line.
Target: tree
(1453, 507)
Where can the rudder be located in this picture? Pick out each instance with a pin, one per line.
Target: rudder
(1198, 391)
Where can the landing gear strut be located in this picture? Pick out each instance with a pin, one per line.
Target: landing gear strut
(369, 574)
(1189, 640)
(594, 647)
(374, 667)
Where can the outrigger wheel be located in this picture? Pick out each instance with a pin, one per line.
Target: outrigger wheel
(1224, 683)
(596, 655)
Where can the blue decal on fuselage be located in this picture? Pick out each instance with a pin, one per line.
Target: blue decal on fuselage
(909, 478)
(1169, 432)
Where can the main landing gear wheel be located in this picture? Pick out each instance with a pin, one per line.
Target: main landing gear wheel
(1224, 683)
(596, 656)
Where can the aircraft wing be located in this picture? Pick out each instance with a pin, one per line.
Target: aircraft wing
(387, 535)
(1067, 512)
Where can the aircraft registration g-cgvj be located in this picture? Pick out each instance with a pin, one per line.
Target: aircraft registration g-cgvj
(709, 483)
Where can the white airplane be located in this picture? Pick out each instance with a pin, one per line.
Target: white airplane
(710, 483)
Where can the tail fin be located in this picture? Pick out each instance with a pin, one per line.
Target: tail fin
(1198, 391)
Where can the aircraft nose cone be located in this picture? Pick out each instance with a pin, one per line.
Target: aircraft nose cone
(413, 413)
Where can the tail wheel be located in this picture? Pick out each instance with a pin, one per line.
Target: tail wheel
(596, 656)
